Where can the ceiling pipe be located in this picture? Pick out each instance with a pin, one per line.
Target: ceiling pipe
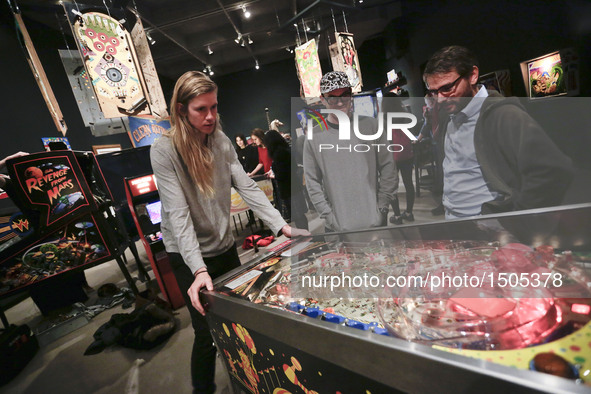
(156, 28)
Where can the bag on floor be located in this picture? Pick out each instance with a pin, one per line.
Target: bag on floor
(17, 347)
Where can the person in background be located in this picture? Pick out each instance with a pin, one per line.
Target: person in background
(280, 173)
(404, 159)
(258, 138)
(350, 190)
(496, 158)
(247, 154)
(196, 166)
(427, 135)
(4, 179)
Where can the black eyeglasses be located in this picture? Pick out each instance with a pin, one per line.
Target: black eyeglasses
(445, 89)
(332, 100)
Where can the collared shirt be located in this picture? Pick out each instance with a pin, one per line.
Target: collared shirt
(464, 187)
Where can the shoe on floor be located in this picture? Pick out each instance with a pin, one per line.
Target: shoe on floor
(408, 216)
(438, 211)
(396, 220)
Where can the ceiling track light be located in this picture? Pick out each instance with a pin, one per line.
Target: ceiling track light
(150, 39)
(256, 64)
(209, 51)
(238, 39)
(245, 11)
(209, 70)
(250, 41)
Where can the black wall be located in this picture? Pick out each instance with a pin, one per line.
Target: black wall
(243, 96)
(502, 33)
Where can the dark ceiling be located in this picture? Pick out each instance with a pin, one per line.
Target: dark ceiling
(184, 31)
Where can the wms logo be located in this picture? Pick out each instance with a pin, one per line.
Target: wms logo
(403, 121)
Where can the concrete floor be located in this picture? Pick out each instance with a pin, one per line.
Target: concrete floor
(61, 367)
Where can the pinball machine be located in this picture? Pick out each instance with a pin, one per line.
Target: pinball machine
(361, 311)
(58, 221)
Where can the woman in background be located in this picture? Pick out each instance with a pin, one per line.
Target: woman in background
(247, 154)
(280, 173)
(258, 138)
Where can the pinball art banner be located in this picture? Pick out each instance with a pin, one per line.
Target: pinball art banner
(308, 67)
(112, 65)
(343, 56)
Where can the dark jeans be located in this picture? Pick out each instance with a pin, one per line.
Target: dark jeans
(405, 168)
(203, 355)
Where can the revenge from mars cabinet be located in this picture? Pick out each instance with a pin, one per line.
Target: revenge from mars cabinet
(58, 220)
(320, 315)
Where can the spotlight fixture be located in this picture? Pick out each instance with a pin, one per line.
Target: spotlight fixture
(209, 70)
(238, 39)
(150, 39)
(242, 42)
(209, 51)
(245, 11)
(256, 64)
(250, 41)
(204, 70)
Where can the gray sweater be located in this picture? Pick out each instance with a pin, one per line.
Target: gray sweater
(348, 188)
(192, 224)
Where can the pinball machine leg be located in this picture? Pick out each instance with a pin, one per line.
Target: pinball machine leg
(3, 318)
(126, 274)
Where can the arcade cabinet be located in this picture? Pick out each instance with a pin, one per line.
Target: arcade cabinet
(144, 204)
(63, 225)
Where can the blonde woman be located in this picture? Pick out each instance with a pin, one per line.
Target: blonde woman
(195, 165)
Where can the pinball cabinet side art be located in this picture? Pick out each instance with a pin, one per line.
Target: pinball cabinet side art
(61, 209)
(372, 311)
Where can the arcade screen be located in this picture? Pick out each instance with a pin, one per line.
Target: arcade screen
(153, 210)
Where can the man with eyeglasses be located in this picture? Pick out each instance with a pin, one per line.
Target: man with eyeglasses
(350, 182)
(496, 158)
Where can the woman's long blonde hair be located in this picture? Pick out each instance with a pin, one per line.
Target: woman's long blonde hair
(197, 156)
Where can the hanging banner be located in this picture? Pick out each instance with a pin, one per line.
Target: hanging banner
(343, 56)
(146, 62)
(40, 77)
(308, 67)
(144, 130)
(112, 66)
